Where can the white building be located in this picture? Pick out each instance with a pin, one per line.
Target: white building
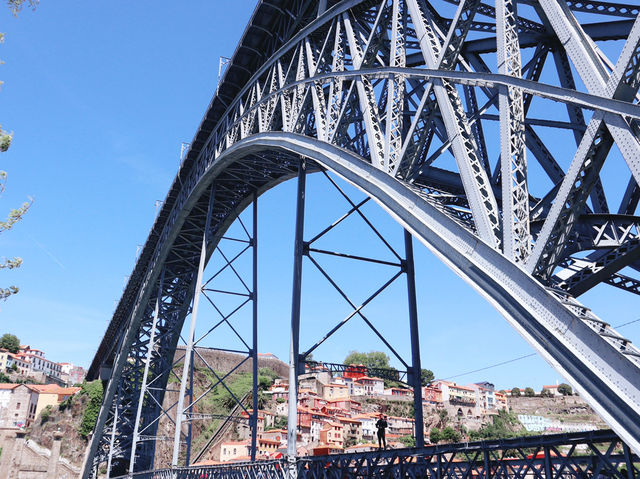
(544, 424)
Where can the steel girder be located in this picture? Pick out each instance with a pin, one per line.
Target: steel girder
(570, 456)
(396, 86)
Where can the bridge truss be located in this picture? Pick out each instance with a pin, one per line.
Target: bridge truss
(440, 111)
(570, 456)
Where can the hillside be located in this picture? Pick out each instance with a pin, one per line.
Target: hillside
(74, 418)
(71, 417)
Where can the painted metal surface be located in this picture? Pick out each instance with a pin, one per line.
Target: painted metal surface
(394, 97)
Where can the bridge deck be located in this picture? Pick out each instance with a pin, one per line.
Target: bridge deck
(578, 455)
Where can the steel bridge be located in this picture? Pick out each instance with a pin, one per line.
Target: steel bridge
(406, 100)
(578, 455)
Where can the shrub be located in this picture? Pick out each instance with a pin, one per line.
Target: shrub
(450, 435)
(45, 414)
(408, 441)
(95, 392)
(565, 389)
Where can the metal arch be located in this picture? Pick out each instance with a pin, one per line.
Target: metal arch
(537, 314)
(543, 319)
(362, 101)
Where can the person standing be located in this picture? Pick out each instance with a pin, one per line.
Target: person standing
(381, 424)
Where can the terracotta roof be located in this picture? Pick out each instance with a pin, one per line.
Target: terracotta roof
(362, 446)
(268, 441)
(348, 419)
(6, 386)
(53, 389)
(236, 443)
(462, 387)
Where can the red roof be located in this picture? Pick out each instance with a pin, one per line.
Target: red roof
(53, 389)
(8, 386)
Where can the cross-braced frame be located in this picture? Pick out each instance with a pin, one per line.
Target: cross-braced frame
(406, 99)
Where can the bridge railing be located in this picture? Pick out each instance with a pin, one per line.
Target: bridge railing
(594, 454)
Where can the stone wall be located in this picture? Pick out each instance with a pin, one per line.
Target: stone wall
(24, 459)
(222, 361)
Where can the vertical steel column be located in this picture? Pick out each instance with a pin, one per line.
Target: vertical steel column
(548, 468)
(189, 409)
(416, 376)
(113, 434)
(191, 337)
(292, 421)
(628, 461)
(145, 374)
(487, 468)
(254, 352)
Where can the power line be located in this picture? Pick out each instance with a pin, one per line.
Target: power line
(627, 324)
(492, 366)
(521, 357)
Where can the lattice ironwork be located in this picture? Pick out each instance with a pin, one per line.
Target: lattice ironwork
(398, 98)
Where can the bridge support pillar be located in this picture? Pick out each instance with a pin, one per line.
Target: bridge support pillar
(415, 379)
(145, 377)
(188, 353)
(294, 357)
(254, 351)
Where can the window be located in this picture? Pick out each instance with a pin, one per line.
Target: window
(18, 406)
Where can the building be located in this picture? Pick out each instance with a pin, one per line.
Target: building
(355, 371)
(399, 392)
(553, 389)
(368, 422)
(332, 434)
(71, 374)
(17, 406)
(501, 400)
(267, 447)
(400, 426)
(352, 430)
(231, 450)
(50, 395)
(4, 357)
(367, 386)
(432, 394)
(544, 424)
(345, 405)
(335, 391)
(38, 363)
(18, 363)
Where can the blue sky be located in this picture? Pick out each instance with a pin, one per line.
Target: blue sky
(100, 96)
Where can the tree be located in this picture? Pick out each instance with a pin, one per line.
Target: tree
(529, 392)
(435, 435)
(546, 393)
(426, 376)
(408, 441)
(15, 214)
(16, 5)
(449, 434)
(515, 392)
(10, 342)
(372, 359)
(565, 389)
